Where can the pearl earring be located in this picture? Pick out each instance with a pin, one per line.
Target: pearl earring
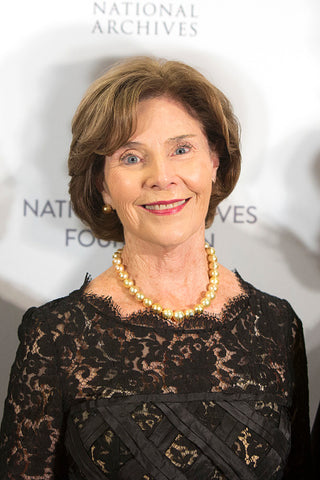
(107, 209)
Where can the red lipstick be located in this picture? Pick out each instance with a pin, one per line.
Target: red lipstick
(166, 207)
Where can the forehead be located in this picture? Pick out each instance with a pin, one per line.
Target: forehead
(165, 116)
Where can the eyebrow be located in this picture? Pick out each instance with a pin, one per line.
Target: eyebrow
(180, 137)
(170, 140)
(131, 144)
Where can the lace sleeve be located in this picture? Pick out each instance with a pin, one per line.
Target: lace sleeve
(299, 461)
(30, 440)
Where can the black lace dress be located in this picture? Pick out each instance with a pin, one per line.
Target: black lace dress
(94, 395)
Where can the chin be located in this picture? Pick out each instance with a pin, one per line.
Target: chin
(172, 238)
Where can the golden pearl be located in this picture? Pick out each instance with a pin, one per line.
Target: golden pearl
(198, 308)
(133, 290)
(205, 302)
(189, 313)
(116, 261)
(119, 268)
(147, 302)
(107, 209)
(156, 307)
(127, 282)
(210, 295)
(123, 275)
(178, 315)
(139, 296)
(167, 313)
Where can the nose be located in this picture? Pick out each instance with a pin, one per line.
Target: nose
(160, 173)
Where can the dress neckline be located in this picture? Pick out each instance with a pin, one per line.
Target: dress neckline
(106, 306)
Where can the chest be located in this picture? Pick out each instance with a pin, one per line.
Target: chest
(120, 360)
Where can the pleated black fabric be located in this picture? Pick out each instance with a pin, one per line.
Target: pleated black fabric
(180, 418)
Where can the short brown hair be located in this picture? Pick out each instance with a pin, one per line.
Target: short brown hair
(105, 120)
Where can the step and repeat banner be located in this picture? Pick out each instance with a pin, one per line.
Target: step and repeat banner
(264, 55)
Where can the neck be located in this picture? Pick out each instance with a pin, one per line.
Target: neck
(169, 274)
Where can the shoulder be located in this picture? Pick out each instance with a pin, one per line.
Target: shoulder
(262, 299)
(55, 316)
(271, 310)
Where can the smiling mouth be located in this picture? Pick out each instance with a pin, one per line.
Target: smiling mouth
(166, 207)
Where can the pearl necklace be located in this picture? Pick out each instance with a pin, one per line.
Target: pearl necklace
(168, 314)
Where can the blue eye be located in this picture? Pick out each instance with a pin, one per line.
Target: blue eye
(131, 159)
(182, 150)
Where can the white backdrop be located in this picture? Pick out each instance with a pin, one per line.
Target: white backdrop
(264, 55)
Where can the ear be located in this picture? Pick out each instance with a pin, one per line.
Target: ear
(102, 186)
(106, 194)
(215, 165)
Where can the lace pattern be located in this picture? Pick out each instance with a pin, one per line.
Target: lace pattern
(96, 395)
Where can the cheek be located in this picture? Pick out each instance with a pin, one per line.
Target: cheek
(199, 179)
(119, 189)
(123, 196)
(128, 215)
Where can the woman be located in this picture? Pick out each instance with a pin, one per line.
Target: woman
(156, 369)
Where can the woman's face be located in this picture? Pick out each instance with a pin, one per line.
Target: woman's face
(160, 181)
